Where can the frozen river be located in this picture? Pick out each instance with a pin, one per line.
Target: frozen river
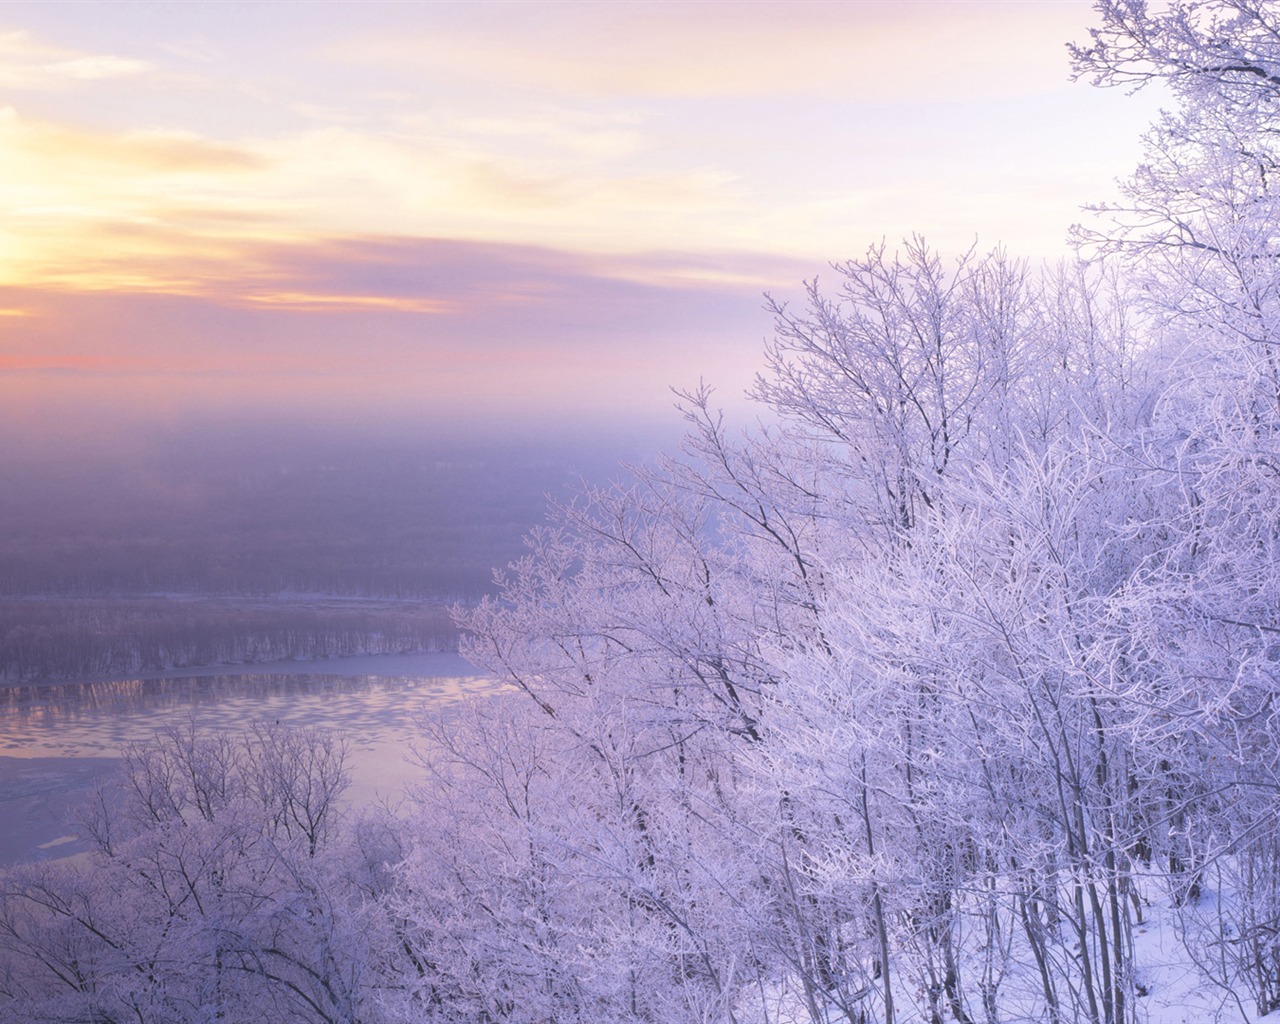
(57, 740)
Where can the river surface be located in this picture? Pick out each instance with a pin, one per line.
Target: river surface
(57, 740)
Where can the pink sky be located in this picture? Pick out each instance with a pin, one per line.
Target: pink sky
(499, 209)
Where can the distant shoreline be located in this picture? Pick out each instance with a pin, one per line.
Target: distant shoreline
(423, 663)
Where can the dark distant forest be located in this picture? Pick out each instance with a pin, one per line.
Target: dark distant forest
(212, 546)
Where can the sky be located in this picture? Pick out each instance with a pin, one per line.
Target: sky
(504, 213)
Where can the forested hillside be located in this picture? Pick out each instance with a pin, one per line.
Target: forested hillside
(909, 708)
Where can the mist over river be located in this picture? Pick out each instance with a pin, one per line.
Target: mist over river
(58, 740)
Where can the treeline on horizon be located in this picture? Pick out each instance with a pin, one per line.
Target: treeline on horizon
(911, 707)
(205, 547)
(87, 638)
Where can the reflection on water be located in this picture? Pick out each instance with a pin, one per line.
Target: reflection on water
(45, 731)
(93, 719)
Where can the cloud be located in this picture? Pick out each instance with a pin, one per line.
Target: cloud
(151, 151)
(133, 209)
(464, 284)
(90, 69)
(146, 208)
(327, 302)
(30, 63)
(709, 48)
(807, 129)
(423, 328)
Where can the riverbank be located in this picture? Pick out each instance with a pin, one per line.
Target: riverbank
(69, 639)
(58, 739)
(39, 798)
(389, 666)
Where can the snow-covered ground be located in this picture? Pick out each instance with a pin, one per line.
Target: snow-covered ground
(1172, 988)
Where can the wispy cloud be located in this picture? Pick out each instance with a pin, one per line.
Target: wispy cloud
(30, 63)
(90, 69)
(328, 302)
(92, 209)
(495, 206)
(806, 129)
(754, 48)
(427, 328)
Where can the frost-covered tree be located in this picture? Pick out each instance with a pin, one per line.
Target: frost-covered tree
(217, 889)
(900, 708)
(1198, 225)
(724, 609)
